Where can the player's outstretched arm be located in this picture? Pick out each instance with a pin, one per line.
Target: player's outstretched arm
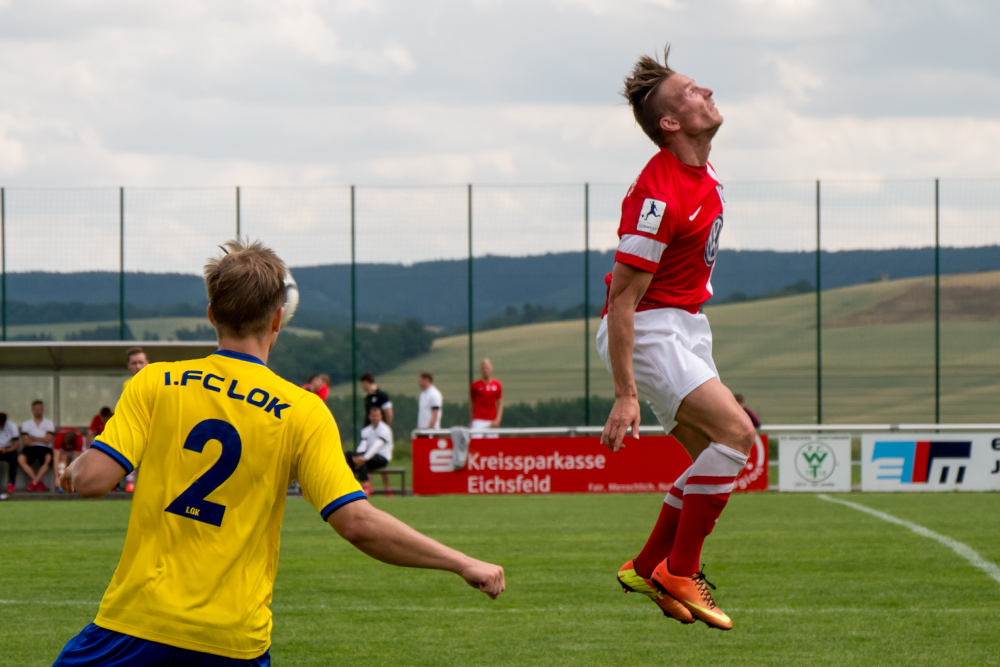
(386, 538)
(628, 284)
(92, 474)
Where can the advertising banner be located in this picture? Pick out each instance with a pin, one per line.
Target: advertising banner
(529, 465)
(930, 462)
(814, 463)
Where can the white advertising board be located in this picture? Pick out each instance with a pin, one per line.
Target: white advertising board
(930, 462)
(814, 463)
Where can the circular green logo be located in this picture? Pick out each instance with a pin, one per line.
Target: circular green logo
(815, 462)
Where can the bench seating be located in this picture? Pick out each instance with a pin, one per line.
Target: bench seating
(385, 472)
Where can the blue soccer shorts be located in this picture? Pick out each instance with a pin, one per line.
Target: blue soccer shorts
(96, 646)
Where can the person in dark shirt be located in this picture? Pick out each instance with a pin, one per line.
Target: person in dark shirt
(375, 397)
(750, 413)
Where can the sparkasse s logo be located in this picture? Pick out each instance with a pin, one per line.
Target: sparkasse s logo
(442, 458)
(815, 462)
(923, 461)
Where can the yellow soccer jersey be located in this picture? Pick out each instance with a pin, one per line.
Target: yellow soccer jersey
(218, 441)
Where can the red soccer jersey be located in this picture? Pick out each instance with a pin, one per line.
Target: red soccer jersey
(670, 226)
(484, 397)
(97, 425)
(59, 442)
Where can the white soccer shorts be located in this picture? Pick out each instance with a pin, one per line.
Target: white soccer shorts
(479, 425)
(672, 357)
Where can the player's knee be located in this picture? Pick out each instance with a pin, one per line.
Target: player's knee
(743, 436)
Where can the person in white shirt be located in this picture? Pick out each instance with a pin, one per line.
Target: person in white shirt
(374, 451)
(36, 439)
(430, 405)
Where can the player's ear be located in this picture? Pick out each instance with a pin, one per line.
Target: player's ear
(211, 318)
(669, 124)
(276, 320)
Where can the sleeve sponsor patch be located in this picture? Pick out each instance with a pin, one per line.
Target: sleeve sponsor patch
(651, 216)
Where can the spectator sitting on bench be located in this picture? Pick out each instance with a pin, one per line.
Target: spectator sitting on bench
(36, 440)
(98, 423)
(374, 451)
(10, 440)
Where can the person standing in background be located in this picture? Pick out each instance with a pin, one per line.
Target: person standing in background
(375, 397)
(486, 399)
(319, 384)
(10, 440)
(136, 360)
(430, 405)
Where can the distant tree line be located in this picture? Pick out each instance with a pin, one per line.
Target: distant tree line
(59, 312)
(530, 314)
(296, 357)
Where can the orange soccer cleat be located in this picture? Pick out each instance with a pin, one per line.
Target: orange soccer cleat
(631, 582)
(693, 593)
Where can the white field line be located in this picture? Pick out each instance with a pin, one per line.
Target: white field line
(546, 610)
(965, 551)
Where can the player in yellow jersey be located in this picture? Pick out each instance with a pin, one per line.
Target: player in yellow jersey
(219, 440)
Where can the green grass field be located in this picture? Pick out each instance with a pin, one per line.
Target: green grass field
(807, 582)
(875, 370)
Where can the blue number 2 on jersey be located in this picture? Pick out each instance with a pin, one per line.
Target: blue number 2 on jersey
(191, 504)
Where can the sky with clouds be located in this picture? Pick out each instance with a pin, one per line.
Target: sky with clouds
(311, 92)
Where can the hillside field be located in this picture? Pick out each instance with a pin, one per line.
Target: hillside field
(874, 371)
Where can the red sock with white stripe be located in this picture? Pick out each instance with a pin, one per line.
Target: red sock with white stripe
(661, 540)
(706, 492)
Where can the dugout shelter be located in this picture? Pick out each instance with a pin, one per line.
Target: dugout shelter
(61, 360)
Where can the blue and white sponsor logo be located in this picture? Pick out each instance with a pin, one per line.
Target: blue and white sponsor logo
(712, 244)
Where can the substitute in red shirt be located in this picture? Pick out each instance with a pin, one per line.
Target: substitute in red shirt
(98, 423)
(486, 394)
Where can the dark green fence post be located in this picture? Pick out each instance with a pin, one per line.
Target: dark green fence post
(586, 304)
(121, 263)
(237, 212)
(3, 262)
(819, 316)
(937, 301)
(354, 335)
(472, 362)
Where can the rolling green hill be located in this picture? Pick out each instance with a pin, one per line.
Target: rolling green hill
(874, 370)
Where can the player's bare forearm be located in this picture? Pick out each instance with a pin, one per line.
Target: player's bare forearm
(92, 474)
(496, 422)
(627, 287)
(387, 416)
(386, 538)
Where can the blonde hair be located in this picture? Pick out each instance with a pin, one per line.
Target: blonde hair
(246, 286)
(640, 91)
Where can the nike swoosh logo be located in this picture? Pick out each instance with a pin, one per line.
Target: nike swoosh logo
(720, 617)
(695, 213)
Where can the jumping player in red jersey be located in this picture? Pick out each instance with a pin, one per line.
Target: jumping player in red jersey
(657, 343)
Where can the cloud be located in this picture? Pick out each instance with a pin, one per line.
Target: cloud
(305, 92)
